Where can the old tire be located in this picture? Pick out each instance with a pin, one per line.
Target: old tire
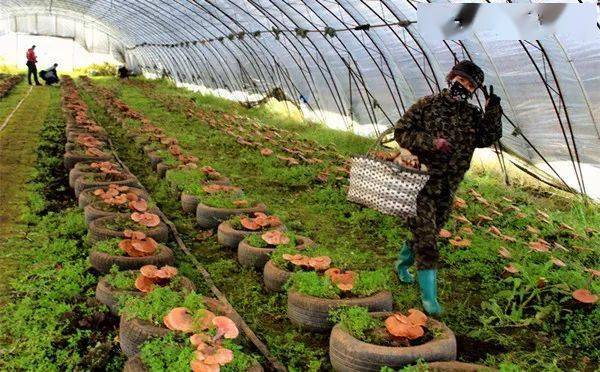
(189, 203)
(249, 256)
(87, 196)
(70, 159)
(274, 277)
(98, 231)
(161, 169)
(229, 237)
(134, 332)
(82, 184)
(108, 295)
(91, 212)
(154, 159)
(103, 261)
(311, 313)
(75, 173)
(209, 217)
(135, 364)
(82, 168)
(455, 366)
(349, 354)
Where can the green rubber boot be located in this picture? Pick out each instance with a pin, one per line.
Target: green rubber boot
(406, 258)
(428, 285)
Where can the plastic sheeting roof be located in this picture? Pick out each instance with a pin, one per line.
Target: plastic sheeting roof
(311, 49)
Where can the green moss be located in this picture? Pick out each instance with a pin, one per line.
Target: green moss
(256, 240)
(371, 282)
(156, 304)
(174, 353)
(167, 157)
(356, 320)
(312, 284)
(121, 280)
(121, 223)
(109, 246)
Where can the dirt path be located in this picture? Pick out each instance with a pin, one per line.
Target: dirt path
(18, 141)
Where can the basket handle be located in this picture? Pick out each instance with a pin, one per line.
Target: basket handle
(380, 140)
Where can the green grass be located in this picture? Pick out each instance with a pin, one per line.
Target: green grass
(499, 319)
(51, 321)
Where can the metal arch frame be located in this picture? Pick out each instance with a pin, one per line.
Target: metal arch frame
(276, 21)
(369, 106)
(370, 96)
(408, 49)
(309, 83)
(266, 64)
(557, 90)
(265, 48)
(258, 21)
(71, 15)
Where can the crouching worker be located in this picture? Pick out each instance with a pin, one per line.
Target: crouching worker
(50, 76)
(443, 130)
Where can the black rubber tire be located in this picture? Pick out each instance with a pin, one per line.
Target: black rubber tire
(229, 237)
(102, 262)
(455, 366)
(70, 159)
(92, 213)
(81, 184)
(97, 231)
(161, 169)
(274, 277)
(348, 354)
(249, 256)
(73, 132)
(108, 295)
(87, 196)
(74, 175)
(312, 313)
(189, 203)
(135, 364)
(78, 170)
(209, 217)
(154, 159)
(134, 332)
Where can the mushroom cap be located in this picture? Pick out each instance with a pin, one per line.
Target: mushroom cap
(585, 296)
(179, 319)
(275, 237)
(225, 327)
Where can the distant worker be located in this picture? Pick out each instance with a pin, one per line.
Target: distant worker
(49, 75)
(123, 72)
(32, 69)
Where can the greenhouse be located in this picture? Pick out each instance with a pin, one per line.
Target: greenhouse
(302, 185)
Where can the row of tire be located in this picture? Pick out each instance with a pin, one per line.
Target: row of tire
(133, 333)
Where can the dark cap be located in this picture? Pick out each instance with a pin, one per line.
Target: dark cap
(468, 70)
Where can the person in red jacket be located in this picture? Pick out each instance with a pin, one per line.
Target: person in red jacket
(31, 61)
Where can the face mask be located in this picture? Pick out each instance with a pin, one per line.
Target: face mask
(458, 91)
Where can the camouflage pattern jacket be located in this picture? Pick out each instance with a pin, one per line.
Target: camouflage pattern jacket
(464, 125)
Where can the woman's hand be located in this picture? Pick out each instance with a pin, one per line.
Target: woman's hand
(490, 98)
(442, 144)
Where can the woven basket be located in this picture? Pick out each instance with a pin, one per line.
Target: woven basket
(385, 186)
